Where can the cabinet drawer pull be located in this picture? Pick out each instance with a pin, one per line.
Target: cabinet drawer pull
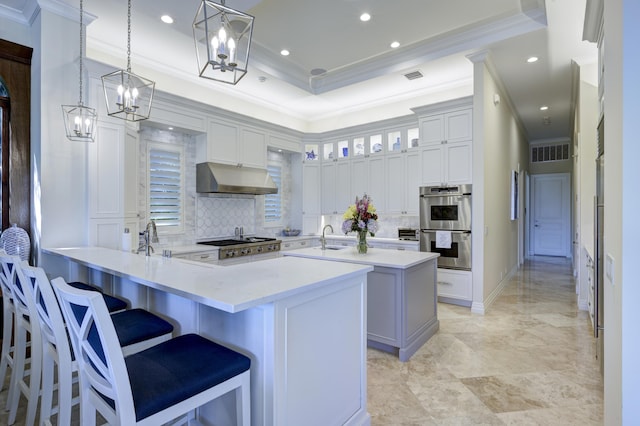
(287, 245)
(204, 256)
(444, 283)
(400, 248)
(303, 243)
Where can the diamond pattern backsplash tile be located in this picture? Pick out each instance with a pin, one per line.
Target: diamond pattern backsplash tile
(219, 216)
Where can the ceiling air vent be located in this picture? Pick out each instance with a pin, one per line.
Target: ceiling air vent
(414, 75)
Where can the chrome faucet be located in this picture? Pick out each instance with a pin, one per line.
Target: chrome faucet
(323, 241)
(150, 236)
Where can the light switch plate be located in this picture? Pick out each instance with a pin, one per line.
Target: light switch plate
(609, 264)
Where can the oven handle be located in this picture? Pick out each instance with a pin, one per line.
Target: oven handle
(447, 230)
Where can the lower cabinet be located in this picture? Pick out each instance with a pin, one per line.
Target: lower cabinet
(401, 308)
(455, 286)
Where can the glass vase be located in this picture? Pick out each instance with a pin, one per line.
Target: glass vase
(361, 245)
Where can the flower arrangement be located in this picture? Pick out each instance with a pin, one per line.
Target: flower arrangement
(361, 217)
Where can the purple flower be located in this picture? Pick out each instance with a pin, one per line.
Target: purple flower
(347, 225)
(372, 226)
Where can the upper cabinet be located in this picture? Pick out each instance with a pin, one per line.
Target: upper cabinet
(450, 127)
(229, 143)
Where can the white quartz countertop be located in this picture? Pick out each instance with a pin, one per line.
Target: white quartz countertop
(398, 259)
(228, 288)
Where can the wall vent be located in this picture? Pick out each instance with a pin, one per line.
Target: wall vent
(414, 75)
(547, 153)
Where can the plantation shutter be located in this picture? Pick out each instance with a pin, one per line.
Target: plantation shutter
(273, 202)
(165, 185)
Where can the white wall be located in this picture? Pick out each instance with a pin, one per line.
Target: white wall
(621, 224)
(504, 148)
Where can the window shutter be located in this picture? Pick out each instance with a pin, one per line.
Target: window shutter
(273, 202)
(165, 185)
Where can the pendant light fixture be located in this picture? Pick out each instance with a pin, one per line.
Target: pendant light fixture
(128, 96)
(79, 120)
(223, 39)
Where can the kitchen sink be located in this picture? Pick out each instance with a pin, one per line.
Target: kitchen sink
(332, 247)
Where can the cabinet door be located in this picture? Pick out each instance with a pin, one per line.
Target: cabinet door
(396, 183)
(412, 169)
(432, 130)
(377, 185)
(311, 189)
(359, 178)
(343, 186)
(432, 165)
(328, 188)
(458, 163)
(222, 143)
(458, 126)
(253, 149)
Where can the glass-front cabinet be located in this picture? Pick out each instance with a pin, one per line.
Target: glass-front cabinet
(335, 150)
(358, 146)
(311, 152)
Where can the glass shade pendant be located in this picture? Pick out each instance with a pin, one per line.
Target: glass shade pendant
(128, 95)
(223, 39)
(79, 120)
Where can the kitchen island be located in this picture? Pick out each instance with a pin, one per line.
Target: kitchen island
(401, 295)
(301, 321)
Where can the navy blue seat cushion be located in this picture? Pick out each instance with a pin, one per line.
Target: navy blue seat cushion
(137, 325)
(178, 369)
(114, 304)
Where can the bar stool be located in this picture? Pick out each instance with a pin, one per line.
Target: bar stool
(8, 314)
(154, 386)
(136, 330)
(23, 305)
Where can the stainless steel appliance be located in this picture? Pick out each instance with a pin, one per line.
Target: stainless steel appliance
(598, 297)
(408, 234)
(445, 224)
(239, 247)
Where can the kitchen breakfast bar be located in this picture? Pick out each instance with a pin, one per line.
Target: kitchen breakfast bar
(302, 322)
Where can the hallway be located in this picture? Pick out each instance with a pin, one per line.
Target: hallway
(529, 361)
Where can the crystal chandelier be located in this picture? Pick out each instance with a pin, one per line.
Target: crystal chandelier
(79, 120)
(223, 39)
(128, 95)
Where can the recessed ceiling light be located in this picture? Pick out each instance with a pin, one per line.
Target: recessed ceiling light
(544, 108)
(365, 17)
(167, 19)
(532, 59)
(284, 52)
(395, 44)
(170, 128)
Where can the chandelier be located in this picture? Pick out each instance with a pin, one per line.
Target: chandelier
(128, 95)
(223, 39)
(79, 120)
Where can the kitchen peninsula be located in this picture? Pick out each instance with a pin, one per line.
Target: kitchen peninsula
(301, 321)
(401, 295)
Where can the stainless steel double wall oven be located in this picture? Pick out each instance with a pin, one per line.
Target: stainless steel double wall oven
(445, 224)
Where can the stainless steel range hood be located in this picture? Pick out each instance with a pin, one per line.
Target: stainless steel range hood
(224, 178)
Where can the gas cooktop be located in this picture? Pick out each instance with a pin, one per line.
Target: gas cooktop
(236, 241)
(237, 247)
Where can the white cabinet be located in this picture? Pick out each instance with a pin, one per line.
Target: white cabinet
(403, 182)
(230, 144)
(336, 188)
(311, 184)
(113, 184)
(446, 135)
(451, 127)
(455, 286)
(297, 244)
(447, 163)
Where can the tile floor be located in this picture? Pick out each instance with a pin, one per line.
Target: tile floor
(529, 361)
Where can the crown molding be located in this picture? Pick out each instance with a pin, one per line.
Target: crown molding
(32, 8)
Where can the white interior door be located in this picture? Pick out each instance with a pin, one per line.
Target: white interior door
(551, 214)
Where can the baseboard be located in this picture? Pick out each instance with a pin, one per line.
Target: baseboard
(495, 293)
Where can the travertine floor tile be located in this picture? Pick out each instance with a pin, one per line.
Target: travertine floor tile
(530, 360)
